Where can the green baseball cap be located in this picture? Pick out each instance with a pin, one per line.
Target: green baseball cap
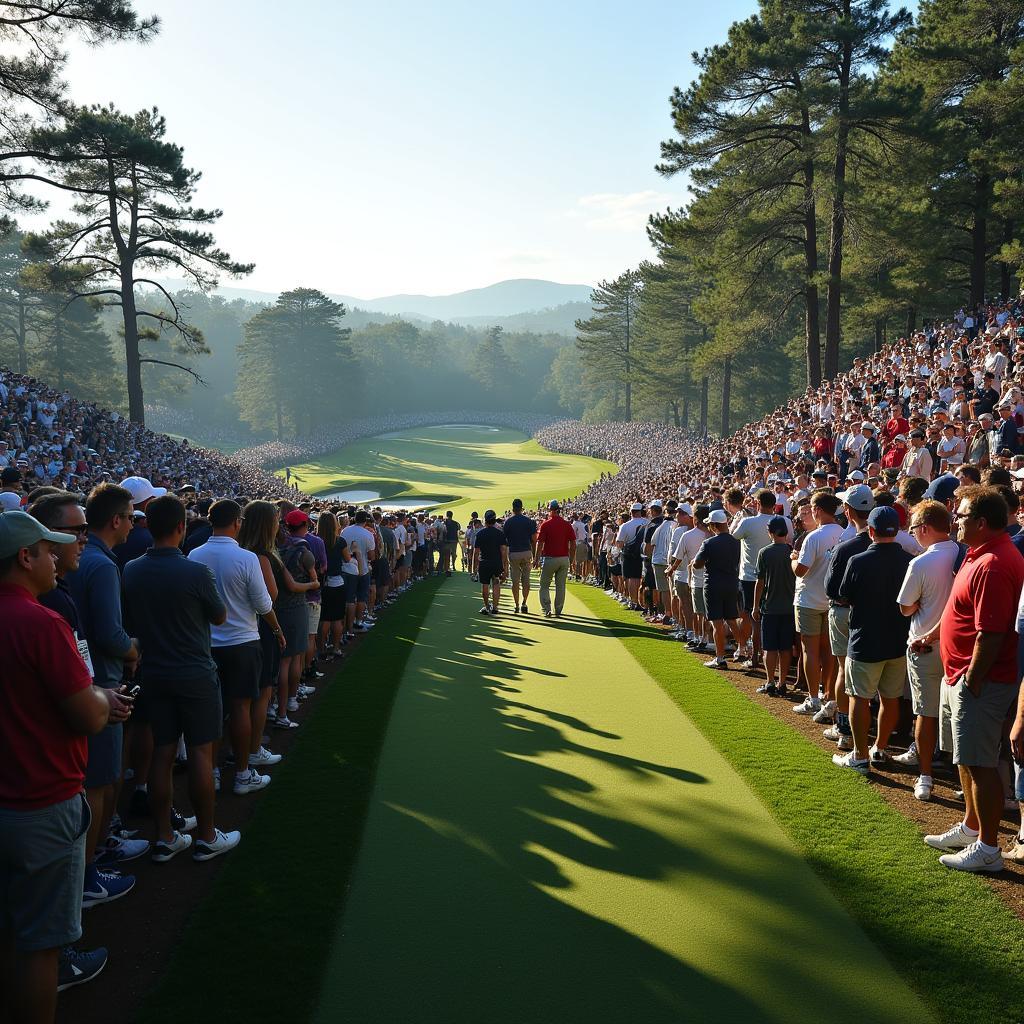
(19, 530)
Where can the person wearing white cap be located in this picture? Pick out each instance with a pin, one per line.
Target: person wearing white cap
(140, 540)
(719, 557)
(678, 568)
(630, 539)
(752, 533)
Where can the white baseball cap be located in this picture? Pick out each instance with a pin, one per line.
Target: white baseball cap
(685, 508)
(636, 507)
(718, 517)
(141, 489)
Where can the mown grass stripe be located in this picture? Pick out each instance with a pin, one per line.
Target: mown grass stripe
(255, 948)
(957, 944)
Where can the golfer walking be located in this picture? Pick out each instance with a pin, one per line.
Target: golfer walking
(556, 549)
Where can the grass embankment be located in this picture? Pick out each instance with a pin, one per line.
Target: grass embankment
(463, 468)
(947, 933)
(255, 949)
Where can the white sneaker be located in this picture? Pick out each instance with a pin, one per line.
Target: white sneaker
(715, 663)
(845, 741)
(825, 713)
(293, 704)
(923, 788)
(849, 761)
(832, 733)
(878, 756)
(910, 758)
(952, 839)
(164, 851)
(285, 723)
(810, 706)
(1015, 851)
(222, 842)
(250, 782)
(973, 858)
(263, 758)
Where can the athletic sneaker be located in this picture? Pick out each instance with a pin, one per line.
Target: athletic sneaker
(768, 689)
(485, 610)
(973, 858)
(923, 788)
(832, 733)
(715, 662)
(222, 843)
(547, 615)
(825, 713)
(1015, 851)
(910, 758)
(164, 850)
(116, 851)
(182, 822)
(515, 609)
(104, 886)
(285, 723)
(810, 706)
(305, 690)
(845, 741)
(525, 609)
(293, 704)
(878, 755)
(250, 782)
(76, 966)
(263, 758)
(954, 838)
(849, 761)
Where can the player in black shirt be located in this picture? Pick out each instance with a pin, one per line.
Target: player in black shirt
(493, 548)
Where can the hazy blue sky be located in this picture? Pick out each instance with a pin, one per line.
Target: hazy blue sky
(372, 148)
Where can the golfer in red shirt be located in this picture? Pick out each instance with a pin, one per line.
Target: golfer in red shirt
(48, 705)
(978, 641)
(556, 548)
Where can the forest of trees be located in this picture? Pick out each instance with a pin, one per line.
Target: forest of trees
(853, 172)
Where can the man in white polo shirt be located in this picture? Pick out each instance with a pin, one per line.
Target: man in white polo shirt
(235, 645)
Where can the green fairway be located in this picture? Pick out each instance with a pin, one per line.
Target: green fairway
(466, 468)
(551, 840)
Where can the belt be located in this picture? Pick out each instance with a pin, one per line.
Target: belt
(838, 604)
(923, 649)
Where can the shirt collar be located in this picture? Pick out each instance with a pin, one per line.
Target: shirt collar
(214, 539)
(999, 540)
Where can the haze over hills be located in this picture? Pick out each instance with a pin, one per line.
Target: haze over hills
(522, 304)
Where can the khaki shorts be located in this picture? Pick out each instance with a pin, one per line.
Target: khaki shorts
(970, 727)
(313, 617)
(866, 678)
(683, 593)
(839, 630)
(519, 564)
(661, 578)
(811, 621)
(925, 671)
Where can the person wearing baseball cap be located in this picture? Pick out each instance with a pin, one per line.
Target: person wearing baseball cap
(630, 540)
(678, 569)
(918, 460)
(10, 489)
(877, 659)
(48, 706)
(772, 612)
(719, 557)
(140, 540)
(556, 548)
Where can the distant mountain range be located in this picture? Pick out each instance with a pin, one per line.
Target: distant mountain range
(519, 305)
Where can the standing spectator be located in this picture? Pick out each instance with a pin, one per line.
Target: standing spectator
(293, 617)
(923, 596)
(10, 489)
(810, 565)
(48, 705)
(235, 643)
(140, 540)
(772, 610)
(521, 537)
(491, 544)
(877, 661)
(630, 540)
(172, 603)
(978, 643)
(96, 591)
(719, 557)
(556, 548)
(752, 533)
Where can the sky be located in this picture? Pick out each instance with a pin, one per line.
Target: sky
(376, 148)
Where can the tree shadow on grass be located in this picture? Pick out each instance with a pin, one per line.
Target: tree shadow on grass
(501, 871)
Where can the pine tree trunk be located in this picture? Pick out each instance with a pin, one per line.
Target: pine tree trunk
(674, 406)
(979, 239)
(686, 413)
(812, 327)
(703, 406)
(22, 337)
(834, 295)
(726, 394)
(133, 367)
(911, 320)
(879, 336)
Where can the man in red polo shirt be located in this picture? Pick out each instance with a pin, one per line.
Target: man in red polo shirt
(978, 643)
(48, 705)
(556, 548)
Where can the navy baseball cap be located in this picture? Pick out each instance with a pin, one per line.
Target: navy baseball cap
(885, 521)
(778, 526)
(942, 488)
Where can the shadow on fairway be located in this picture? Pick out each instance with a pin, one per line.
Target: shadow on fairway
(463, 904)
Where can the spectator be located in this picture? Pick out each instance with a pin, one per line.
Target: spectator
(521, 537)
(774, 591)
(172, 603)
(978, 643)
(556, 548)
(719, 557)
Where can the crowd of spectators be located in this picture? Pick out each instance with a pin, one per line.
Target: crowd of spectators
(860, 546)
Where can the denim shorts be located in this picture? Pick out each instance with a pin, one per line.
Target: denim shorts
(42, 871)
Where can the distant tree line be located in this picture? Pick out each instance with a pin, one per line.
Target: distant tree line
(853, 171)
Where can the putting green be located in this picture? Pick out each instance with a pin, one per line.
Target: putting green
(463, 467)
(551, 839)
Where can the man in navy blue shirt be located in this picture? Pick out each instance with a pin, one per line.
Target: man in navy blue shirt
(877, 653)
(521, 537)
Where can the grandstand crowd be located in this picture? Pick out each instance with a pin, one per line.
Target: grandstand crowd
(163, 604)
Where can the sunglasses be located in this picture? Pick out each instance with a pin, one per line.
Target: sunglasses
(78, 531)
